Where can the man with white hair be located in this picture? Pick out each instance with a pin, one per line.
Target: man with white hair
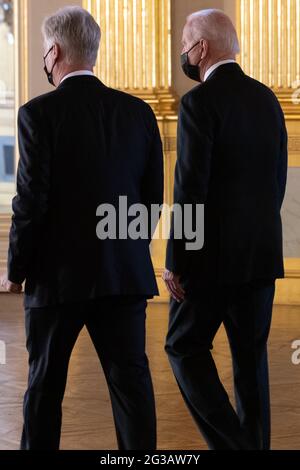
(232, 157)
(81, 146)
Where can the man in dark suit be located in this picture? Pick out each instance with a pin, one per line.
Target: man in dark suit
(81, 146)
(232, 157)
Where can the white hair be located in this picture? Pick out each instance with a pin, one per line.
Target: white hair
(76, 32)
(217, 28)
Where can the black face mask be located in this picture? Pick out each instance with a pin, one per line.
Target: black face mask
(191, 71)
(49, 74)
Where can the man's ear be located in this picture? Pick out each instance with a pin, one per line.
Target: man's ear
(204, 47)
(56, 51)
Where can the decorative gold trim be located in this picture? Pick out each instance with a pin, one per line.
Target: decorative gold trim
(294, 161)
(292, 269)
(21, 60)
(20, 19)
(288, 289)
(294, 150)
(5, 221)
(269, 32)
(270, 41)
(294, 143)
(135, 50)
(270, 47)
(170, 143)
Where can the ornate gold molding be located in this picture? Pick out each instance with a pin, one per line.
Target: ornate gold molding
(20, 29)
(287, 290)
(170, 143)
(135, 50)
(294, 143)
(5, 221)
(294, 150)
(269, 32)
(21, 59)
(21, 50)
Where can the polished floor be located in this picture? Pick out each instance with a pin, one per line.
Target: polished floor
(87, 420)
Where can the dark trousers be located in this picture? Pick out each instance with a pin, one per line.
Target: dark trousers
(246, 312)
(117, 328)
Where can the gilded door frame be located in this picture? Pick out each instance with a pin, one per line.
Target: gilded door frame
(21, 88)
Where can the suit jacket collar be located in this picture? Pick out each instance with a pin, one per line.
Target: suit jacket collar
(79, 80)
(232, 67)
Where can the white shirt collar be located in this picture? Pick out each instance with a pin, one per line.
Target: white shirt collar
(216, 65)
(76, 73)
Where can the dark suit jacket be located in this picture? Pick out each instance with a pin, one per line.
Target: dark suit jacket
(232, 157)
(82, 145)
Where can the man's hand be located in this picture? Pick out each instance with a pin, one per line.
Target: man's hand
(10, 286)
(173, 285)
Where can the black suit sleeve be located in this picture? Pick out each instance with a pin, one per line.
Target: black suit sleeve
(153, 181)
(31, 202)
(192, 172)
(283, 162)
